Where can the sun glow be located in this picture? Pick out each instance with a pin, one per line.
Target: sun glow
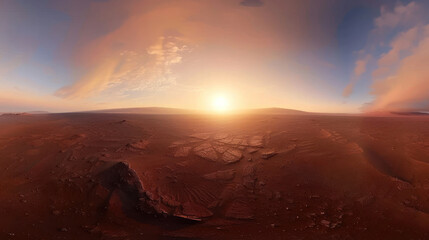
(220, 104)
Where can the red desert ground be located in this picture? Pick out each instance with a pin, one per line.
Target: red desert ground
(289, 175)
(214, 119)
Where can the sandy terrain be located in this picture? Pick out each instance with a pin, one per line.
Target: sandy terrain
(130, 176)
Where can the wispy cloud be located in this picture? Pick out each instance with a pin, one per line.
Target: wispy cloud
(400, 79)
(400, 15)
(400, 76)
(132, 71)
(360, 68)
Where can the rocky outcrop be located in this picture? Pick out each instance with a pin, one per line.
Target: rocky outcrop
(166, 191)
(219, 147)
(268, 154)
(221, 175)
(206, 151)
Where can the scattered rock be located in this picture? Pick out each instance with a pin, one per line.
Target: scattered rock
(182, 152)
(220, 148)
(232, 156)
(206, 151)
(335, 224)
(202, 136)
(325, 223)
(325, 134)
(252, 150)
(268, 154)
(177, 143)
(249, 177)
(226, 140)
(256, 141)
(219, 136)
(142, 144)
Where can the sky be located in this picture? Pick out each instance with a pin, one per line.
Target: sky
(337, 56)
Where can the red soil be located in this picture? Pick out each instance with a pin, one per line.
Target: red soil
(130, 176)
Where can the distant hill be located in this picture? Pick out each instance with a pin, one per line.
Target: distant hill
(394, 114)
(274, 111)
(23, 113)
(162, 110)
(146, 110)
(410, 113)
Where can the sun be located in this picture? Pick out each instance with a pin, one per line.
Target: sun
(220, 103)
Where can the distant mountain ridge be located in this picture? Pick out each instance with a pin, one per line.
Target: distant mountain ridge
(274, 111)
(410, 113)
(24, 113)
(163, 110)
(146, 110)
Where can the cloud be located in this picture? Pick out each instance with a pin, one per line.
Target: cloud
(360, 68)
(399, 47)
(399, 76)
(390, 21)
(400, 80)
(17, 100)
(252, 3)
(140, 48)
(400, 15)
(131, 71)
(405, 87)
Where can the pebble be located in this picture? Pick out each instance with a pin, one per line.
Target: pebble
(56, 212)
(325, 223)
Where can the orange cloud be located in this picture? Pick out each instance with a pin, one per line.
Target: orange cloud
(131, 70)
(146, 44)
(401, 15)
(399, 46)
(400, 80)
(360, 68)
(405, 87)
